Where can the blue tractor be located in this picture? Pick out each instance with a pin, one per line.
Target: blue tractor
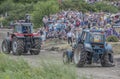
(91, 47)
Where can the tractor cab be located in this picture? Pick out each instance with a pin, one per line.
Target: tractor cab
(92, 36)
(23, 28)
(97, 36)
(93, 40)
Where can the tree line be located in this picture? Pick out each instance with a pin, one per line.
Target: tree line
(16, 9)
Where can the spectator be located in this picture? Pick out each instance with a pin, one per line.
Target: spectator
(70, 37)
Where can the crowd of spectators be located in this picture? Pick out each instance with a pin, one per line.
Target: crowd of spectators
(67, 24)
(116, 3)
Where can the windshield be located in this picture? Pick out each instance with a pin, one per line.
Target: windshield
(96, 38)
(27, 29)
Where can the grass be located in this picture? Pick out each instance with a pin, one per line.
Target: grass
(12, 69)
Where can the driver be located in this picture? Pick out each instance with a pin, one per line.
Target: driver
(25, 29)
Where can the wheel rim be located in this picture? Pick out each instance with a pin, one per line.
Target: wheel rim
(14, 46)
(77, 56)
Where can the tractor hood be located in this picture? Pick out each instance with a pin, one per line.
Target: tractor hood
(31, 34)
(36, 34)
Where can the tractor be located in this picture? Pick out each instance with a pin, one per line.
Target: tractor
(22, 40)
(91, 47)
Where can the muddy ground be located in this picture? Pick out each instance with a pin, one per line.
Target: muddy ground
(91, 72)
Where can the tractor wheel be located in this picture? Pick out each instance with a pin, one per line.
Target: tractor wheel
(83, 58)
(107, 60)
(111, 58)
(5, 47)
(37, 46)
(80, 56)
(17, 46)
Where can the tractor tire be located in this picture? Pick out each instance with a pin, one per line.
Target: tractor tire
(83, 58)
(17, 46)
(80, 56)
(111, 57)
(37, 46)
(5, 47)
(107, 60)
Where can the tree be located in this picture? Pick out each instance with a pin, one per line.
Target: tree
(43, 8)
(6, 6)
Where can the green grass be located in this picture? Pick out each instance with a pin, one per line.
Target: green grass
(19, 69)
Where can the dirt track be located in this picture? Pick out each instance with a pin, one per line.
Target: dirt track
(94, 71)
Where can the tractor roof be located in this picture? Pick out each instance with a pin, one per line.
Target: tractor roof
(25, 24)
(94, 30)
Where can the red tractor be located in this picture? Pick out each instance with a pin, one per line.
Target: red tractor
(22, 40)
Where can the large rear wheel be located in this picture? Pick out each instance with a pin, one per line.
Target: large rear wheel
(17, 46)
(5, 47)
(80, 56)
(107, 60)
(37, 47)
(83, 58)
(111, 58)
